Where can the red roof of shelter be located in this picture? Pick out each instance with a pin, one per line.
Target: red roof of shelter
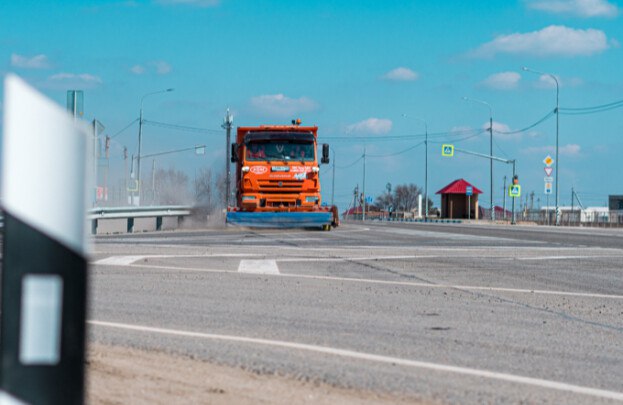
(458, 187)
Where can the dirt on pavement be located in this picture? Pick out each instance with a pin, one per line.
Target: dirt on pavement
(119, 375)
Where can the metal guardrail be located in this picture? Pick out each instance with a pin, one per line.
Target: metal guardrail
(357, 217)
(131, 213)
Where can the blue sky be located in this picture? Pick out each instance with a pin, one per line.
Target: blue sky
(354, 68)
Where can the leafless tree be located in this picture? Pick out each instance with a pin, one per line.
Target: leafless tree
(204, 190)
(171, 187)
(406, 197)
(220, 188)
(384, 201)
(402, 198)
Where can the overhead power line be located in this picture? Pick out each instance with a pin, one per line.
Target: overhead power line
(529, 127)
(124, 128)
(396, 153)
(401, 137)
(351, 164)
(182, 127)
(592, 109)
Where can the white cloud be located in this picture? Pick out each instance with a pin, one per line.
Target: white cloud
(376, 126)
(36, 62)
(279, 105)
(195, 3)
(401, 74)
(158, 66)
(72, 80)
(555, 40)
(570, 150)
(162, 67)
(502, 81)
(547, 82)
(497, 127)
(138, 69)
(580, 8)
(461, 129)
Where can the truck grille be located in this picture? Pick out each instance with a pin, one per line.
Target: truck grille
(280, 186)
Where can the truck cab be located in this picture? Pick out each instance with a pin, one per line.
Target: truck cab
(277, 168)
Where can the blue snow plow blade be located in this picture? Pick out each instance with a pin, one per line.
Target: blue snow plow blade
(280, 219)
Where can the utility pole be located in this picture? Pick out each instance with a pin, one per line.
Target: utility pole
(556, 169)
(125, 171)
(363, 193)
(513, 222)
(490, 151)
(491, 164)
(504, 199)
(333, 181)
(227, 122)
(153, 182)
(572, 195)
(355, 196)
(137, 200)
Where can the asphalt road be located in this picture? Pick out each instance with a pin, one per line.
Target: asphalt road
(447, 313)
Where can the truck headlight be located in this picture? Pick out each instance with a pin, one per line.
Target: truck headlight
(315, 169)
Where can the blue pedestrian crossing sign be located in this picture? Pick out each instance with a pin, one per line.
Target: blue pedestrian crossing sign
(514, 190)
(447, 150)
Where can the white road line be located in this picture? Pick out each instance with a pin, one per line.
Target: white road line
(563, 257)
(129, 259)
(457, 287)
(118, 260)
(178, 268)
(258, 267)
(536, 382)
(347, 259)
(399, 283)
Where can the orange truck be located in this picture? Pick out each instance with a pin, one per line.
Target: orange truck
(278, 178)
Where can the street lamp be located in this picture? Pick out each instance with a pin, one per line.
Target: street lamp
(490, 150)
(557, 130)
(333, 180)
(425, 165)
(140, 135)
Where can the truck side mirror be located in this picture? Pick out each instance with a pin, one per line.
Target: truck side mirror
(325, 154)
(234, 152)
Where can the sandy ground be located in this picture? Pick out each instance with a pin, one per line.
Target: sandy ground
(118, 375)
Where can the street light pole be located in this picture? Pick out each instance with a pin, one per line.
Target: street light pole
(333, 180)
(140, 136)
(425, 164)
(490, 151)
(363, 192)
(557, 133)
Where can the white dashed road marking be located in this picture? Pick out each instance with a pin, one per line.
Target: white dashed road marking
(258, 267)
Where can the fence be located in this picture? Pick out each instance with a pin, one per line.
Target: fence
(588, 217)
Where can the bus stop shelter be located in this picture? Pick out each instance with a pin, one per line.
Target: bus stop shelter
(455, 201)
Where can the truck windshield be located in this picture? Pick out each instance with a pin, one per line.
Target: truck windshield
(280, 150)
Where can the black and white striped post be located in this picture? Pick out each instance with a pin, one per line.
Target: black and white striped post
(44, 266)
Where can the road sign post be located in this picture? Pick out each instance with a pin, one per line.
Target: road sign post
(469, 190)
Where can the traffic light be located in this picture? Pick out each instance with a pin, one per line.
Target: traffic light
(515, 179)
